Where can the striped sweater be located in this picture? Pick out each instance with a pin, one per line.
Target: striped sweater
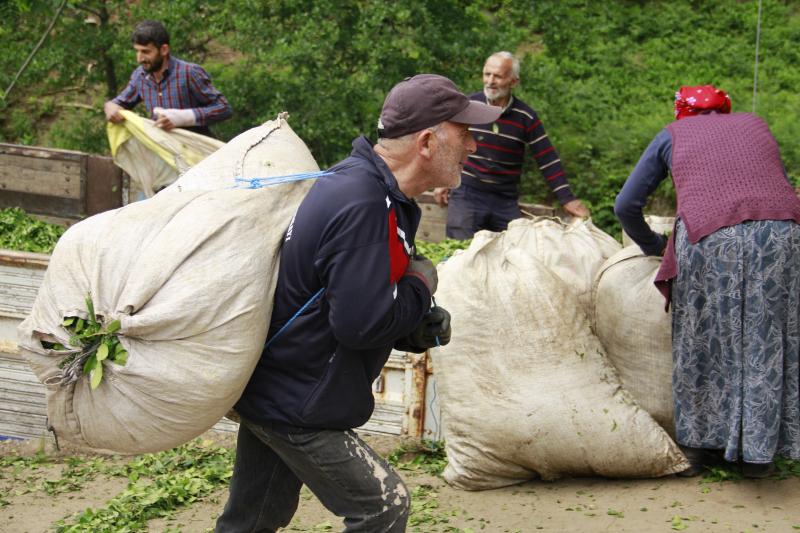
(496, 166)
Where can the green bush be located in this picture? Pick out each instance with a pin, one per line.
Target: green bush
(81, 130)
(601, 75)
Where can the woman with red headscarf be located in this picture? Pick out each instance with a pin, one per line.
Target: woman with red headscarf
(731, 270)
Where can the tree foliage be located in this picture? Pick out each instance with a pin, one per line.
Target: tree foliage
(601, 74)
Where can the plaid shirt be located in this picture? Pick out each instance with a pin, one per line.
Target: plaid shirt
(183, 86)
(496, 165)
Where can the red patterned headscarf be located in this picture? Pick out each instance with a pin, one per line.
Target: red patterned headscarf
(690, 101)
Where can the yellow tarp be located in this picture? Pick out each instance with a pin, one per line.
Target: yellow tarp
(153, 157)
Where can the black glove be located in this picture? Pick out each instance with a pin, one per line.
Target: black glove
(433, 331)
(422, 267)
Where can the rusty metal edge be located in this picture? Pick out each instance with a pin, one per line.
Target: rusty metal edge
(416, 408)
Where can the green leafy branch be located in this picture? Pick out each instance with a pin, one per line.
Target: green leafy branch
(97, 343)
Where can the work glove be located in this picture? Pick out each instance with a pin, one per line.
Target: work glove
(422, 267)
(433, 331)
(180, 118)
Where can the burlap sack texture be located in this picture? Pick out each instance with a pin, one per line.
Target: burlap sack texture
(636, 331)
(526, 388)
(190, 273)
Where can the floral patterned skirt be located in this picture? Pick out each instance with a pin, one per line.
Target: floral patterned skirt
(736, 340)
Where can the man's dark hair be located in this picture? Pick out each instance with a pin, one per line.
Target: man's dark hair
(150, 31)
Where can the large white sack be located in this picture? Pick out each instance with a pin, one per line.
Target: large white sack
(573, 251)
(635, 330)
(525, 387)
(273, 149)
(190, 275)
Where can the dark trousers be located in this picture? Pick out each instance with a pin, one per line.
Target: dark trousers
(470, 210)
(348, 477)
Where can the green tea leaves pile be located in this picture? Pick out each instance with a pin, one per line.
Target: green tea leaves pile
(440, 251)
(23, 233)
(94, 343)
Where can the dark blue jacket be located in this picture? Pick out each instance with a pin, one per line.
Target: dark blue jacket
(353, 234)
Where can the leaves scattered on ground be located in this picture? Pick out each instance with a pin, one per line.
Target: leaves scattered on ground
(428, 456)
(787, 468)
(158, 485)
(678, 523)
(784, 468)
(718, 474)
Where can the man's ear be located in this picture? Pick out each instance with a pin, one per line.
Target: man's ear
(514, 83)
(423, 143)
(164, 49)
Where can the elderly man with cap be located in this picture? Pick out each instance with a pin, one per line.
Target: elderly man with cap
(350, 289)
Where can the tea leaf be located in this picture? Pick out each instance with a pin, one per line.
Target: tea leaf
(102, 352)
(95, 376)
(90, 364)
(121, 358)
(90, 306)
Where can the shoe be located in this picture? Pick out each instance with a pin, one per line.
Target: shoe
(694, 469)
(758, 470)
(699, 459)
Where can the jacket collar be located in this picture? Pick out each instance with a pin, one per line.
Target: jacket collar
(363, 148)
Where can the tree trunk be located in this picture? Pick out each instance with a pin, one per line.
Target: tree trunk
(105, 59)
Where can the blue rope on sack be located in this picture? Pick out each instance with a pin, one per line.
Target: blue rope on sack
(260, 183)
(297, 314)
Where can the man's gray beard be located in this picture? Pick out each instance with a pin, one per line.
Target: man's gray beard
(499, 94)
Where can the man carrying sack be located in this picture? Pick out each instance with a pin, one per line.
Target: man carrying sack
(349, 290)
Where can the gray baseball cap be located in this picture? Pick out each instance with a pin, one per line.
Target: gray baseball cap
(426, 100)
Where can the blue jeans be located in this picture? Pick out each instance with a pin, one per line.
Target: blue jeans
(348, 477)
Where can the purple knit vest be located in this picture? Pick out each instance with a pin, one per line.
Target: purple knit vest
(726, 169)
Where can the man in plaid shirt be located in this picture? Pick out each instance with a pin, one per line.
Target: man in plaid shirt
(177, 94)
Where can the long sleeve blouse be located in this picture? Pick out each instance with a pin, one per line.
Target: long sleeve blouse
(653, 166)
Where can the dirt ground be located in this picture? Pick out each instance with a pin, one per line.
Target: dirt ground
(568, 505)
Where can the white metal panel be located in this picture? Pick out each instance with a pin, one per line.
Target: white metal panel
(432, 427)
(399, 396)
(23, 408)
(18, 288)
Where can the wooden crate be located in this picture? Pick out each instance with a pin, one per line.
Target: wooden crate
(58, 184)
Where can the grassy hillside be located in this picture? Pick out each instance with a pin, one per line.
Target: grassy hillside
(601, 74)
